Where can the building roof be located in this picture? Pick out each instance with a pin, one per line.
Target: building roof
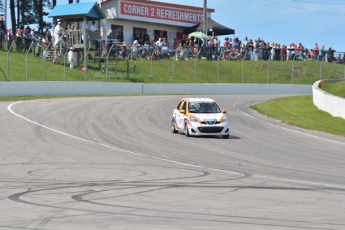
(77, 10)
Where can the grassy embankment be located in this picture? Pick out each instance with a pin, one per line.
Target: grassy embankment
(168, 71)
(300, 111)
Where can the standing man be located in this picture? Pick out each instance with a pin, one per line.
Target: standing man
(93, 26)
(317, 51)
(2, 36)
(71, 58)
(136, 36)
(57, 33)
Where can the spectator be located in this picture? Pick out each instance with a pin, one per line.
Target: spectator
(57, 33)
(273, 50)
(323, 53)
(2, 36)
(136, 36)
(290, 52)
(119, 36)
(216, 42)
(40, 34)
(311, 55)
(2, 27)
(330, 55)
(175, 45)
(209, 51)
(283, 53)
(27, 43)
(140, 41)
(338, 59)
(9, 35)
(19, 41)
(317, 51)
(161, 35)
(32, 34)
(71, 58)
(183, 51)
(135, 50)
(93, 27)
(124, 50)
(38, 48)
(146, 37)
(27, 30)
(109, 38)
(165, 51)
(48, 39)
(191, 42)
(250, 45)
(159, 43)
(235, 44)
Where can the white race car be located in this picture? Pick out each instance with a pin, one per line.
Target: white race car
(199, 117)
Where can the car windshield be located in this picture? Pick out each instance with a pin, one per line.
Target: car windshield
(203, 107)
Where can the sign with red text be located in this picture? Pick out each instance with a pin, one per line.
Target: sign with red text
(161, 13)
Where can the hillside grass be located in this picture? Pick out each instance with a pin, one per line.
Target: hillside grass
(337, 89)
(300, 111)
(18, 67)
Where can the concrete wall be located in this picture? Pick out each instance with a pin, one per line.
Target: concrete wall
(327, 102)
(11, 89)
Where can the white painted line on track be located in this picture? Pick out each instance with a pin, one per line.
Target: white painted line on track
(306, 134)
(172, 161)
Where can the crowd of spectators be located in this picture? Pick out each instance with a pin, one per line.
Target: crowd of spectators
(145, 46)
(157, 47)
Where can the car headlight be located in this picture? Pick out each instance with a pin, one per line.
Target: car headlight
(194, 119)
(224, 119)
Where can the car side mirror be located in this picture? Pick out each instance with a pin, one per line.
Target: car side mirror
(224, 111)
(182, 111)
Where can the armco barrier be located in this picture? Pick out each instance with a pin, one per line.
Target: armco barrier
(327, 102)
(12, 89)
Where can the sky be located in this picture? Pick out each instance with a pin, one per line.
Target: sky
(281, 21)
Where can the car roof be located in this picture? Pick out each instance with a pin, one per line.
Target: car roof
(200, 99)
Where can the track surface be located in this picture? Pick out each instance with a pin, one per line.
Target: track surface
(113, 163)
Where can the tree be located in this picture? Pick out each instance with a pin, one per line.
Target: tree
(13, 16)
(1, 6)
(39, 12)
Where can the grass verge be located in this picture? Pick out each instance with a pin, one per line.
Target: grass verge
(336, 89)
(301, 112)
(17, 67)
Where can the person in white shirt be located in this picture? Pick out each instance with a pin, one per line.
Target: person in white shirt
(71, 58)
(93, 26)
(57, 33)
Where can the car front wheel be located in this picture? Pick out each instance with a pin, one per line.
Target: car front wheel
(226, 136)
(186, 132)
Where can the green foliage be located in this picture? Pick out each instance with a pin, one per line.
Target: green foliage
(1, 6)
(300, 111)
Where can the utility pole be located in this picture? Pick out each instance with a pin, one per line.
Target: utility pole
(205, 17)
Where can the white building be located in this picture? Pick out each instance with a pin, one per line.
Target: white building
(127, 16)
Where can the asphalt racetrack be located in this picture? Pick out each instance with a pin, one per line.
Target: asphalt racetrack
(113, 163)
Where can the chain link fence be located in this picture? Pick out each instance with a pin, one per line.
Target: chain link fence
(123, 62)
